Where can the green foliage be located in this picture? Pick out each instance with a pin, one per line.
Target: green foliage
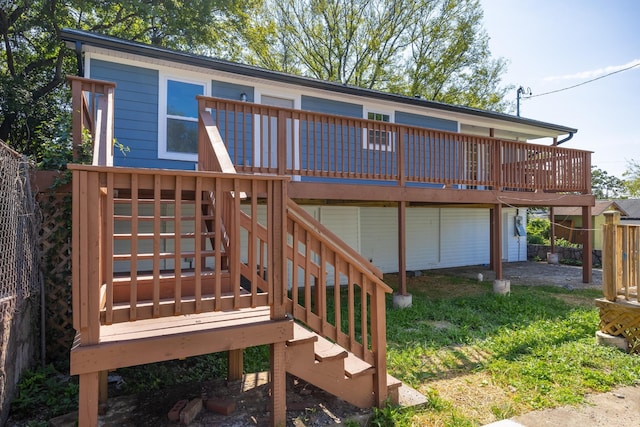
(34, 104)
(538, 231)
(433, 49)
(45, 390)
(564, 243)
(389, 415)
(604, 186)
(632, 178)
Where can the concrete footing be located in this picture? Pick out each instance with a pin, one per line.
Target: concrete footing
(502, 287)
(612, 341)
(402, 301)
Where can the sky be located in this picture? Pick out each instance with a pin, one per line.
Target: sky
(555, 44)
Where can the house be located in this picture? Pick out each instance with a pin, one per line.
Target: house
(631, 207)
(359, 192)
(568, 222)
(247, 195)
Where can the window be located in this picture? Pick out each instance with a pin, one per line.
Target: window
(179, 119)
(379, 140)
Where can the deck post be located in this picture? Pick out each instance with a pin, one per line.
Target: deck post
(587, 244)
(278, 267)
(609, 255)
(552, 230)
(496, 240)
(235, 364)
(402, 247)
(88, 399)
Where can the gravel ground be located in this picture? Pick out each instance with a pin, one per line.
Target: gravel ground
(533, 273)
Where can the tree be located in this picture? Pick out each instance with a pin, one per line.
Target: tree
(34, 62)
(604, 185)
(435, 49)
(632, 181)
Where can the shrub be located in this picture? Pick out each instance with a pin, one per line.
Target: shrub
(538, 231)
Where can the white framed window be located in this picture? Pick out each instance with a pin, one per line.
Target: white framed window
(178, 118)
(375, 139)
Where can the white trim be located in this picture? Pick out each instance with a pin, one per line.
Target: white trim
(163, 79)
(391, 137)
(296, 99)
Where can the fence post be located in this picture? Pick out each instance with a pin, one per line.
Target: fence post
(610, 255)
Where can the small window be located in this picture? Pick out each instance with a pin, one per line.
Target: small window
(378, 139)
(180, 120)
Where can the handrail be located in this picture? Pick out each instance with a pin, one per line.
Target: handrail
(323, 272)
(267, 139)
(620, 259)
(323, 251)
(302, 216)
(92, 110)
(316, 251)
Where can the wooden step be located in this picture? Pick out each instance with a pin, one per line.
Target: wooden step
(325, 350)
(355, 367)
(302, 335)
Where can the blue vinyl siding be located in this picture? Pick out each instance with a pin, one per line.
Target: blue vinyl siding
(334, 139)
(136, 114)
(445, 161)
(241, 152)
(425, 121)
(233, 91)
(328, 106)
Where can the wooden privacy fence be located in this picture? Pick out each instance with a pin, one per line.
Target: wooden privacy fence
(620, 308)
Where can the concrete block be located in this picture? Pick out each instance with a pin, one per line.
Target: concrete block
(502, 287)
(174, 412)
(612, 341)
(190, 411)
(402, 301)
(221, 405)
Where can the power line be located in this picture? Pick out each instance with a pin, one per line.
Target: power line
(584, 83)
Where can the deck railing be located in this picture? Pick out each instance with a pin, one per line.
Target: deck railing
(150, 243)
(92, 112)
(620, 259)
(322, 271)
(298, 143)
(336, 292)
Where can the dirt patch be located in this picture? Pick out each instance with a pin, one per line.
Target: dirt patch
(306, 406)
(483, 401)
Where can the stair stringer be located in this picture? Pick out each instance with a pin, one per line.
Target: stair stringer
(329, 375)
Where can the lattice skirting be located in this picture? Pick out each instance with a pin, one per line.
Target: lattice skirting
(621, 319)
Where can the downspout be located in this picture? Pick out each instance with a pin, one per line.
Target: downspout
(564, 140)
(79, 59)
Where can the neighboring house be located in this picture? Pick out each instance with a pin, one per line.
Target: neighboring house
(569, 221)
(419, 201)
(631, 207)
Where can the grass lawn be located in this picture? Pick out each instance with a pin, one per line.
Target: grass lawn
(478, 356)
(482, 357)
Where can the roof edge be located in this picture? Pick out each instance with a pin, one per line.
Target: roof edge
(127, 46)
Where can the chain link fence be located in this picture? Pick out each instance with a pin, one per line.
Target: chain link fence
(20, 274)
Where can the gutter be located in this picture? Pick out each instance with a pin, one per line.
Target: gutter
(566, 139)
(136, 48)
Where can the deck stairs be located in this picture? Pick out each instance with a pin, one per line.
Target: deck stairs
(330, 367)
(310, 356)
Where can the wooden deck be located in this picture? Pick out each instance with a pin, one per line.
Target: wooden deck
(177, 337)
(219, 259)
